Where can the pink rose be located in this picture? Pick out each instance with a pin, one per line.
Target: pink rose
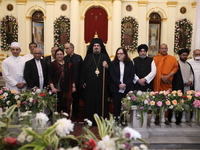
(159, 103)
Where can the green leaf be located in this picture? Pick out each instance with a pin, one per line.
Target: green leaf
(2, 124)
(103, 127)
(31, 145)
(10, 110)
(49, 131)
(72, 137)
(90, 134)
(40, 146)
(55, 141)
(141, 117)
(100, 124)
(31, 132)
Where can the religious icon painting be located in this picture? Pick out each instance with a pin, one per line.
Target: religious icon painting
(9, 7)
(154, 39)
(63, 7)
(183, 10)
(128, 7)
(38, 35)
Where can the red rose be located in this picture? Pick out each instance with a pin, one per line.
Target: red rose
(90, 145)
(184, 96)
(42, 94)
(10, 141)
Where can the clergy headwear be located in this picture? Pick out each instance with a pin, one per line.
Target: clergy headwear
(15, 44)
(142, 46)
(183, 51)
(96, 40)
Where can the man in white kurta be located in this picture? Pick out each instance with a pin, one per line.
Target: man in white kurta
(12, 69)
(195, 63)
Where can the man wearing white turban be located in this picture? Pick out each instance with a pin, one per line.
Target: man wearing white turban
(12, 69)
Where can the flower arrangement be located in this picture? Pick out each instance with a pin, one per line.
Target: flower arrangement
(7, 97)
(176, 101)
(58, 137)
(28, 100)
(10, 21)
(196, 106)
(112, 137)
(134, 23)
(57, 24)
(188, 26)
(36, 101)
(5, 123)
(136, 98)
(158, 102)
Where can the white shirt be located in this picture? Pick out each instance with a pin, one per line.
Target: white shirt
(196, 68)
(121, 67)
(40, 73)
(28, 57)
(150, 76)
(12, 71)
(52, 59)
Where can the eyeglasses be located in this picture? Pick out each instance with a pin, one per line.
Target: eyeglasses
(38, 53)
(66, 47)
(120, 53)
(197, 54)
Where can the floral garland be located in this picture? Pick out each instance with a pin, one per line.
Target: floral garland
(188, 36)
(4, 45)
(57, 23)
(134, 44)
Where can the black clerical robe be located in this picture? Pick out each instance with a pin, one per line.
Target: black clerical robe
(94, 84)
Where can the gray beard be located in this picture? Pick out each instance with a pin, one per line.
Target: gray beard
(143, 57)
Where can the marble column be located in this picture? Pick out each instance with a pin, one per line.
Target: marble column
(171, 25)
(116, 25)
(22, 25)
(74, 25)
(48, 26)
(196, 32)
(142, 30)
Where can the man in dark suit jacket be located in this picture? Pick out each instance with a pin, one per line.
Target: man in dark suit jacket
(52, 57)
(35, 71)
(76, 61)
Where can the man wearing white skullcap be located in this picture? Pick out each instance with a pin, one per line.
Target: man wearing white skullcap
(12, 69)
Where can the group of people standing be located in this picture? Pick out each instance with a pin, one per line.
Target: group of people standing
(97, 77)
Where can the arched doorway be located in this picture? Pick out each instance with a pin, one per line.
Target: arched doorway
(96, 22)
(38, 29)
(154, 34)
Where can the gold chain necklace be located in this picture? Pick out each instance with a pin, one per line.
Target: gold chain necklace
(97, 70)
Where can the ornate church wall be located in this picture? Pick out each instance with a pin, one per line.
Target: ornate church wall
(116, 9)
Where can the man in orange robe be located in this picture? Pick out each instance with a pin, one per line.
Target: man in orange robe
(166, 67)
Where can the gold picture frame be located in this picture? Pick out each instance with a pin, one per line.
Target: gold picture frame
(63, 7)
(183, 10)
(9, 7)
(128, 8)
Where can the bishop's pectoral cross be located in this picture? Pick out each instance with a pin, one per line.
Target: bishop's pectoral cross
(96, 18)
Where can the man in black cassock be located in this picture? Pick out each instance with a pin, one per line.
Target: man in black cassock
(92, 79)
(183, 80)
(184, 77)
